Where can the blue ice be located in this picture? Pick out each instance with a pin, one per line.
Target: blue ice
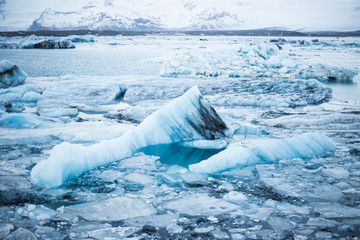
(186, 118)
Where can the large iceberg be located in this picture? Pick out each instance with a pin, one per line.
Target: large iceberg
(301, 146)
(186, 118)
(10, 75)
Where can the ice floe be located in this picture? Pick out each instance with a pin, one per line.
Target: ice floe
(199, 204)
(114, 209)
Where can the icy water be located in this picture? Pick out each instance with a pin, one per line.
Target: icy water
(261, 89)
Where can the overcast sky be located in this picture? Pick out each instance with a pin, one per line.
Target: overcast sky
(309, 15)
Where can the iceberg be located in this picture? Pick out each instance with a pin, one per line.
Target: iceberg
(10, 75)
(301, 146)
(326, 74)
(186, 118)
(51, 44)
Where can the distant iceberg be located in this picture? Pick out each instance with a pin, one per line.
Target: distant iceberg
(270, 151)
(51, 44)
(186, 118)
(255, 61)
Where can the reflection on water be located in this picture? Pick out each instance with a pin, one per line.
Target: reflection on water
(177, 154)
(349, 91)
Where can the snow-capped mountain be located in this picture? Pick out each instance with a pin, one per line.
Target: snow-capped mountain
(129, 15)
(306, 15)
(94, 15)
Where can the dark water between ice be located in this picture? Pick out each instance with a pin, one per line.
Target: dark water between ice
(97, 62)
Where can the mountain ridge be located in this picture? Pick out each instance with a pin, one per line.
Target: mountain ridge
(254, 32)
(178, 15)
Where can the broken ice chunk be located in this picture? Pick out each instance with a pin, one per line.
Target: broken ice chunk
(21, 120)
(113, 209)
(200, 204)
(10, 75)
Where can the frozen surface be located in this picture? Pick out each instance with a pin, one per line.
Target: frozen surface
(78, 96)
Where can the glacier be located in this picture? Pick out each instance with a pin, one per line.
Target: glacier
(188, 117)
(301, 146)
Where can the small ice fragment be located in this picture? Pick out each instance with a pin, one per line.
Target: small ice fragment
(31, 207)
(120, 94)
(235, 197)
(113, 209)
(10, 75)
(337, 172)
(174, 228)
(323, 235)
(205, 144)
(139, 178)
(213, 219)
(21, 233)
(200, 204)
(20, 120)
(43, 216)
(60, 209)
(31, 96)
(204, 229)
(175, 169)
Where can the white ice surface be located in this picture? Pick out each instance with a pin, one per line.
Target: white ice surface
(300, 146)
(199, 204)
(113, 209)
(261, 60)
